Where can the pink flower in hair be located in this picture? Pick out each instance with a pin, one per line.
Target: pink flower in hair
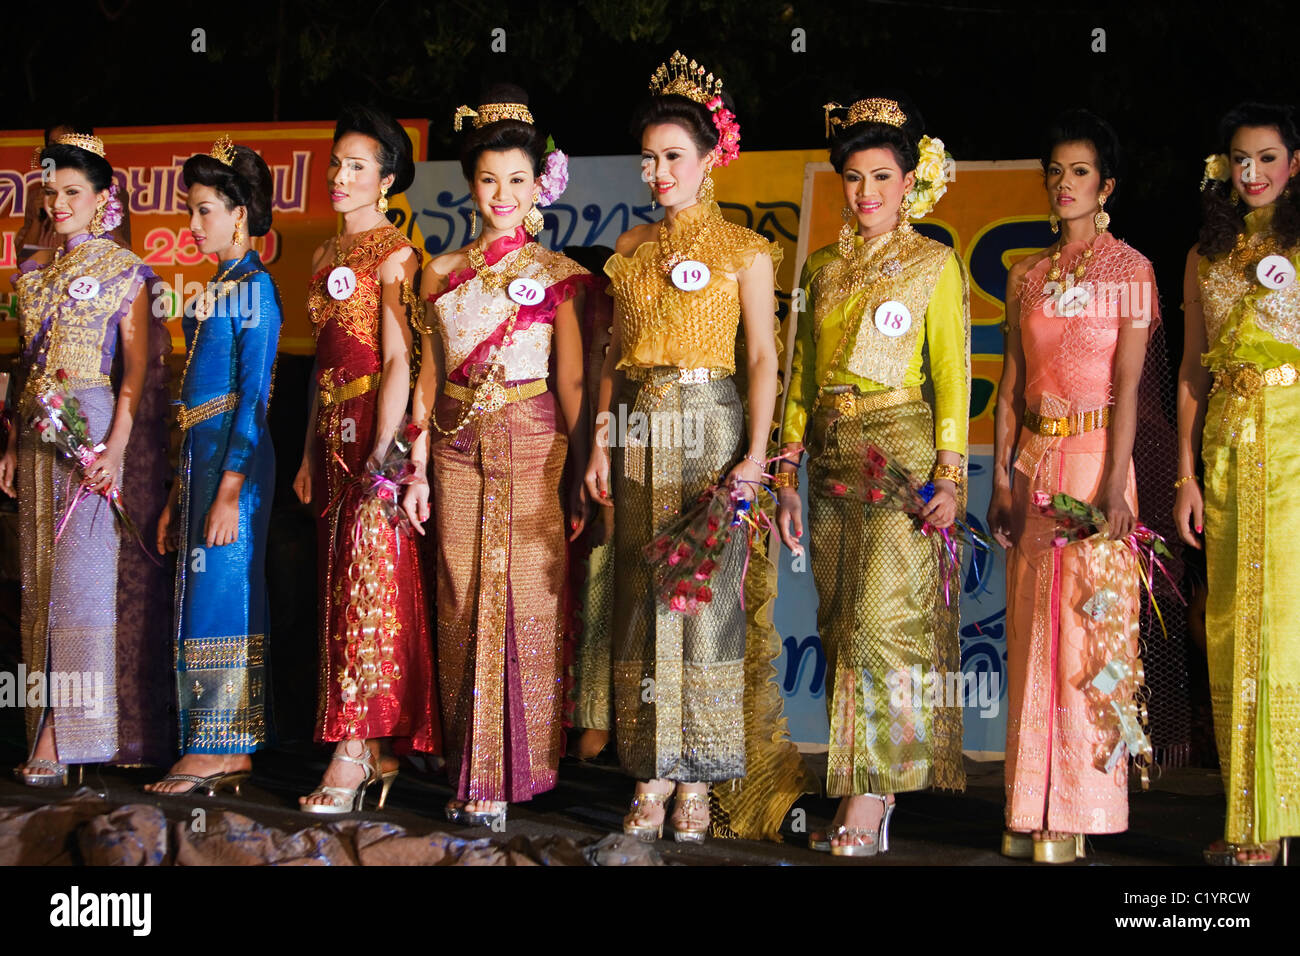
(112, 210)
(728, 147)
(555, 177)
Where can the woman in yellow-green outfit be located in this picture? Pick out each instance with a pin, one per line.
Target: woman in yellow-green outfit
(887, 311)
(1239, 398)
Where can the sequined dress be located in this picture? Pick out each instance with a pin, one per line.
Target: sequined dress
(1252, 470)
(1061, 732)
(221, 600)
(367, 573)
(882, 616)
(96, 607)
(501, 543)
(693, 695)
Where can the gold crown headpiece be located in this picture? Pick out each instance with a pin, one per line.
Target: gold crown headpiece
(678, 77)
(223, 151)
(91, 144)
(492, 113)
(875, 110)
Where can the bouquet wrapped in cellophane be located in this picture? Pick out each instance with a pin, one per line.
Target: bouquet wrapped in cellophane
(886, 483)
(684, 557)
(60, 422)
(1116, 692)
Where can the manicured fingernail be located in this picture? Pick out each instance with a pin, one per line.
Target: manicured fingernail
(1198, 529)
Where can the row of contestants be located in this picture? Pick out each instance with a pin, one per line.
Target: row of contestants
(497, 471)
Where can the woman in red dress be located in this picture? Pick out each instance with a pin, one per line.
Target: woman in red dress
(376, 671)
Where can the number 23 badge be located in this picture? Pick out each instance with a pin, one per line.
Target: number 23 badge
(83, 288)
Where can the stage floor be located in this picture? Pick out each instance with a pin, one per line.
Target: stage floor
(1169, 824)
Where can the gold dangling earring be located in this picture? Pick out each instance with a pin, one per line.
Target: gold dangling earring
(1233, 196)
(705, 193)
(238, 235)
(847, 232)
(382, 202)
(1054, 221)
(534, 220)
(904, 220)
(473, 220)
(1102, 218)
(97, 222)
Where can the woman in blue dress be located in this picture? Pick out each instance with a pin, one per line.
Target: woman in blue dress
(220, 505)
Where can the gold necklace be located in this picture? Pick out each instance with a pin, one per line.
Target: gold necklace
(492, 279)
(203, 311)
(339, 255)
(670, 257)
(1055, 272)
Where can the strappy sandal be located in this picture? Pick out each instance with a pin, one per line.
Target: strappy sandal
(1225, 854)
(686, 806)
(350, 799)
(879, 837)
(646, 832)
(227, 780)
(1064, 849)
(58, 776)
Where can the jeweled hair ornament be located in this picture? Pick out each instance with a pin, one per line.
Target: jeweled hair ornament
(491, 113)
(877, 109)
(223, 151)
(91, 144)
(680, 77)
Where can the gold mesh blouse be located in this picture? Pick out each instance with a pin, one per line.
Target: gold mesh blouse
(663, 325)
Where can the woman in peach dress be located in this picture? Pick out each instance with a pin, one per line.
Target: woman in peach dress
(1078, 319)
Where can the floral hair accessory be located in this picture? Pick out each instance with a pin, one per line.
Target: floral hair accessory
(555, 174)
(112, 210)
(1216, 168)
(933, 173)
(728, 147)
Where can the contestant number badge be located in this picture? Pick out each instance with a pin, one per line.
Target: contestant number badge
(525, 291)
(893, 319)
(1275, 272)
(342, 282)
(83, 288)
(690, 275)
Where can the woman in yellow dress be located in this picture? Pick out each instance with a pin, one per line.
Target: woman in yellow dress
(1237, 397)
(879, 302)
(684, 712)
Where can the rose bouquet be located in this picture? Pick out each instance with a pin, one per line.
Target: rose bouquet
(684, 557)
(886, 483)
(380, 485)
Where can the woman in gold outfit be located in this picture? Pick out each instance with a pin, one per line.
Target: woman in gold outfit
(684, 711)
(888, 311)
(1238, 397)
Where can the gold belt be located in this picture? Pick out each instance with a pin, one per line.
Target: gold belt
(494, 395)
(685, 376)
(349, 390)
(187, 418)
(1245, 380)
(849, 404)
(1075, 424)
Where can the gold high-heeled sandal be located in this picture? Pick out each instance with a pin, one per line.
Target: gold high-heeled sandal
(1227, 854)
(211, 784)
(1017, 846)
(346, 799)
(687, 804)
(645, 832)
(1062, 850)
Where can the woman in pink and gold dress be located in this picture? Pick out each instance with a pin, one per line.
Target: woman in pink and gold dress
(1079, 314)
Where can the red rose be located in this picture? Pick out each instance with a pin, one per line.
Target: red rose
(704, 595)
(713, 524)
(56, 400)
(683, 588)
(711, 541)
(838, 489)
(411, 432)
(876, 495)
(61, 375)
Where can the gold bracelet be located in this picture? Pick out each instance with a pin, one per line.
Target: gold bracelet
(954, 473)
(1183, 480)
(786, 479)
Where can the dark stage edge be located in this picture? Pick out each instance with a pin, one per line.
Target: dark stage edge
(1168, 825)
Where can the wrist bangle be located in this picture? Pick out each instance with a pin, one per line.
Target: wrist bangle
(1183, 480)
(750, 458)
(786, 479)
(954, 473)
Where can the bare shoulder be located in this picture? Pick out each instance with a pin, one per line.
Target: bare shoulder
(323, 251)
(637, 236)
(1021, 268)
(1194, 258)
(442, 266)
(42, 257)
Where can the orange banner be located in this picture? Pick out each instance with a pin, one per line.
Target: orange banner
(147, 165)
